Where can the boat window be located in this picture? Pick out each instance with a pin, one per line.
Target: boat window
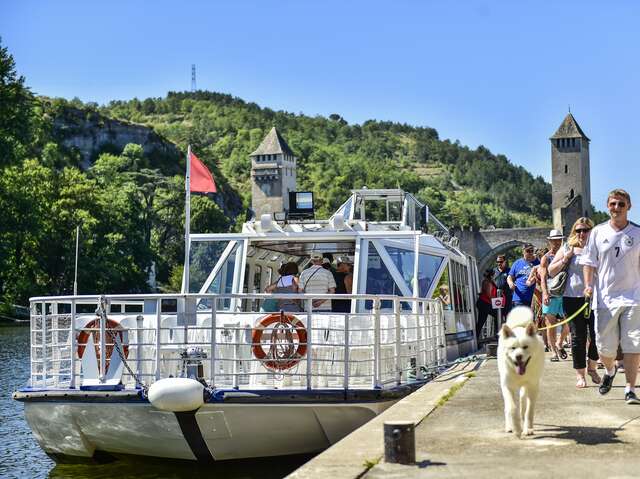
(442, 291)
(252, 282)
(268, 276)
(428, 266)
(223, 281)
(203, 257)
(379, 279)
(257, 274)
(209, 257)
(346, 210)
(460, 287)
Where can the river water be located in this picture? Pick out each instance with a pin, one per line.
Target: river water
(21, 457)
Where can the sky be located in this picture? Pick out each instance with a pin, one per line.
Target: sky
(502, 74)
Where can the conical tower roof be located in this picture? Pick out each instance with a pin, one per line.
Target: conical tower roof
(273, 144)
(569, 129)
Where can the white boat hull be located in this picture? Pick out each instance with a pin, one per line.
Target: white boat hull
(229, 431)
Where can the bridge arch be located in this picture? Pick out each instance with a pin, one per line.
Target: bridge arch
(485, 245)
(488, 260)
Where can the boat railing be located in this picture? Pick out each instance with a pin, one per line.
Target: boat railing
(131, 341)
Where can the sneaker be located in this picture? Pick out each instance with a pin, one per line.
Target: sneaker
(607, 382)
(631, 398)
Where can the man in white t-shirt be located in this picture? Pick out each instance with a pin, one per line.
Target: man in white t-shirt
(612, 257)
(317, 280)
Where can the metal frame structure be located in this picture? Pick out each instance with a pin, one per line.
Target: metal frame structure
(377, 349)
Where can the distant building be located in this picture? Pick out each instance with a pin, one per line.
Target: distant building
(273, 175)
(570, 174)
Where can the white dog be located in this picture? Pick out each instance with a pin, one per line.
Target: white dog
(520, 363)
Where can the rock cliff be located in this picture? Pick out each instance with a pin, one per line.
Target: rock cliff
(90, 133)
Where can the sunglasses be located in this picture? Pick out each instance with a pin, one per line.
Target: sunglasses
(581, 230)
(619, 204)
(528, 251)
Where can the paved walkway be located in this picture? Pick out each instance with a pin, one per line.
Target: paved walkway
(578, 433)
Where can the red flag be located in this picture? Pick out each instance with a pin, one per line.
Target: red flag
(201, 180)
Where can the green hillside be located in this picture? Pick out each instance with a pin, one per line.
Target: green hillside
(127, 196)
(462, 186)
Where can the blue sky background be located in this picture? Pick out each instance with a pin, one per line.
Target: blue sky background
(495, 73)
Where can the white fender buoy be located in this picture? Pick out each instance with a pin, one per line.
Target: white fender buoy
(176, 394)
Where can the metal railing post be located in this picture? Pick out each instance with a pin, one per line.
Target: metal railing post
(236, 358)
(441, 340)
(44, 344)
(214, 335)
(55, 349)
(346, 351)
(158, 331)
(103, 333)
(376, 343)
(139, 337)
(309, 309)
(72, 385)
(396, 314)
(419, 360)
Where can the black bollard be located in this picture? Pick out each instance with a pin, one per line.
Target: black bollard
(492, 350)
(399, 442)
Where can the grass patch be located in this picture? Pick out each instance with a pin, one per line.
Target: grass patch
(449, 394)
(369, 463)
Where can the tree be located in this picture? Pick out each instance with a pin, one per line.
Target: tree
(16, 111)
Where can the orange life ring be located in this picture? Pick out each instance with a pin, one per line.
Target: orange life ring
(112, 328)
(273, 360)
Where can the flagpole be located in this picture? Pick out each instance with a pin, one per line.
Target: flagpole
(75, 274)
(187, 223)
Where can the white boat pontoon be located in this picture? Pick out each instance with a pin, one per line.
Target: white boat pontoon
(209, 375)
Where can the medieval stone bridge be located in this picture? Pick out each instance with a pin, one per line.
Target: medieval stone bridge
(570, 199)
(485, 245)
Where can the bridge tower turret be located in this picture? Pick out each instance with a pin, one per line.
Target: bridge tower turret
(570, 174)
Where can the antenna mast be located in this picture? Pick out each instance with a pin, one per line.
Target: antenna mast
(193, 77)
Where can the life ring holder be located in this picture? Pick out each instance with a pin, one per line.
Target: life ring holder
(279, 364)
(111, 328)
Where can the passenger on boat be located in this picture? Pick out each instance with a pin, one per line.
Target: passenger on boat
(445, 297)
(317, 280)
(287, 283)
(343, 277)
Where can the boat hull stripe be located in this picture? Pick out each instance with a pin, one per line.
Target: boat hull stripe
(193, 436)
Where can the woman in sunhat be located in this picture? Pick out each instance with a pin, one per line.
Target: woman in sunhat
(552, 305)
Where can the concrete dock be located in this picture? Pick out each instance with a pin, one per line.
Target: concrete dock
(460, 432)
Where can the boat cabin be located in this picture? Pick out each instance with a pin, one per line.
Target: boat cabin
(385, 235)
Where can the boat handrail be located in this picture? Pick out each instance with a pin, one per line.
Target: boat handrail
(138, 296)
(385, 345)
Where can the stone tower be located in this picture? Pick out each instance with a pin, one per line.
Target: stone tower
(570, 176)
(273, 175)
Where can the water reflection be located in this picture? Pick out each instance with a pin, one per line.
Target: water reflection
(21, 457)
(271, 468)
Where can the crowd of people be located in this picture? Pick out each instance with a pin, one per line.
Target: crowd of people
(319, 278)
(591, 284)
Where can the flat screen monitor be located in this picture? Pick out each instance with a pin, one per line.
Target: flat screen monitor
(301, 204)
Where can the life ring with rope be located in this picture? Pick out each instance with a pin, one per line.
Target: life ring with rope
(282, 354)
(112, 328)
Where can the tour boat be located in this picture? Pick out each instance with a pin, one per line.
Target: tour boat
(208, 375)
